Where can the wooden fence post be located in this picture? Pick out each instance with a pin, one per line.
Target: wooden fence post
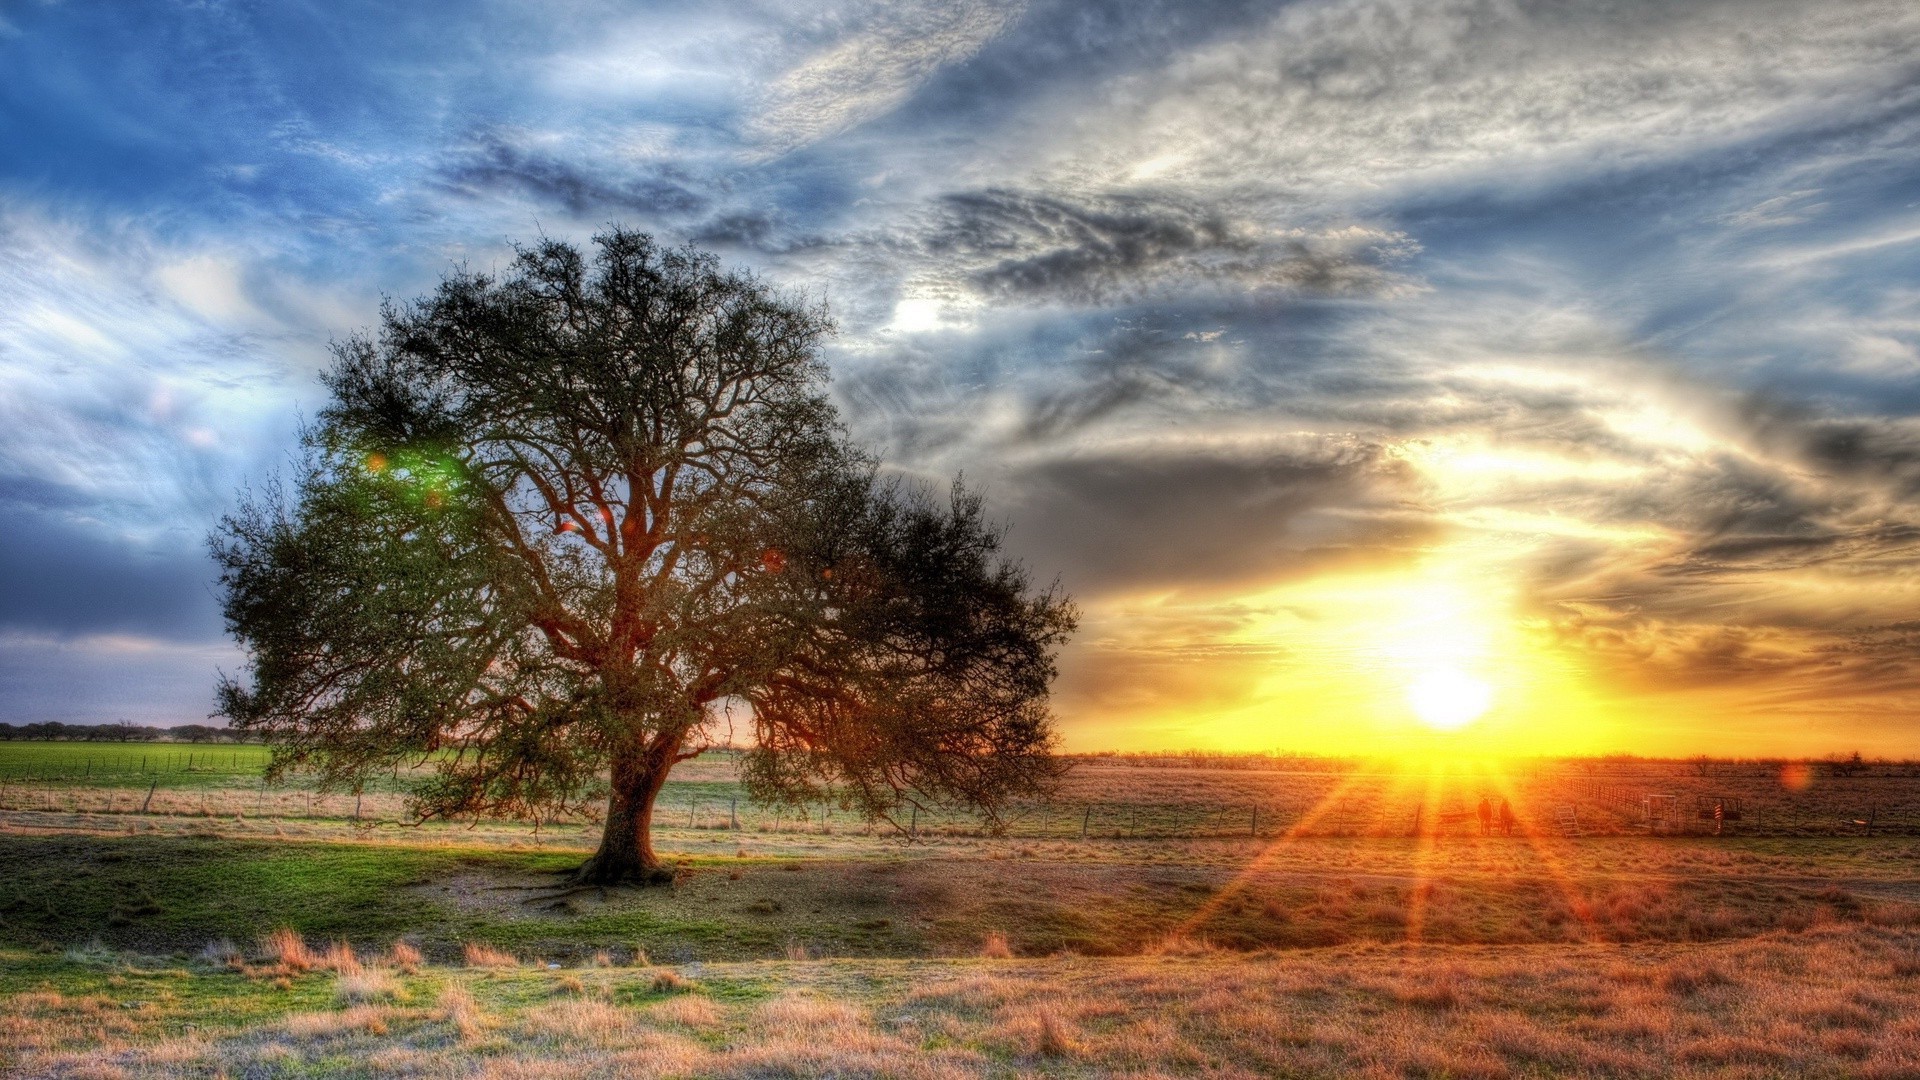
(1085, 821)
(150, 791)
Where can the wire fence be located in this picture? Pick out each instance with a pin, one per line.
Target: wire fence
(170, 788)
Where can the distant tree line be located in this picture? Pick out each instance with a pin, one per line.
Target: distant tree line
(55, 731)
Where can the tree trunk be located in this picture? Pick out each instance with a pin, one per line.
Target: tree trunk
(626, 844)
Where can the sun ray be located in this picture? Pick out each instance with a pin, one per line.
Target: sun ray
(1426, 845)
(1265, 856)
(1563, 881)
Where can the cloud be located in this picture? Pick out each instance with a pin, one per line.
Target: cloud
(1211, 521)
(1333, 98)
(872, 70)
(108, 677)
(1026, 247)
(68, 577)
(1792, 208)
(139, 382)
(494, 164)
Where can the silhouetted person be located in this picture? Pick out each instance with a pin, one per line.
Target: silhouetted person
(1506, 818)
(1486, 817)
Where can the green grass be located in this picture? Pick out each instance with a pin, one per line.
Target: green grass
(172, 765)
(184, 996)
(175, 894)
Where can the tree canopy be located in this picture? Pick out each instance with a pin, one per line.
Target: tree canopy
(559, 530)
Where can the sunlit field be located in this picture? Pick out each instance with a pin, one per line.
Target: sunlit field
(1161, 916)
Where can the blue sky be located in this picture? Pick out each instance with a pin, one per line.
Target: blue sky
(1613, 304)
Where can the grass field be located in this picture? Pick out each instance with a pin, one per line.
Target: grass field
(1101, 798)
(137, 944)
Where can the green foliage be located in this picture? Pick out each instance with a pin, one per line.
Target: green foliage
(551, 526)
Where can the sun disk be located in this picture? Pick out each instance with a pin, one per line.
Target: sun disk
(1447, 699)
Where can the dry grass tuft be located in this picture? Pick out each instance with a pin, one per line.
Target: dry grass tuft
(995, 947)
(1690, 977)
(1038, 1028)
(669, 981)
(796, 952)
(1434, 990)
(313, 1027)
(583, 1021)
(339, 958)
(458, 1008)
(405, 957)
(602, 959)
(289, 950)
(800, 1014)
(365, 985)
(479, 955)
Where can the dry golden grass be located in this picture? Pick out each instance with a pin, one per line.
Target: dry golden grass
(669, 981)
(1834, 1000)
(688, 1011)
(289, 950)
(480, 955)
(364, 985)
(340, 958)
(459, 1011)
(405, 957)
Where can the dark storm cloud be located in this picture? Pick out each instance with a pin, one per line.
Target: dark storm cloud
(741, 230)
(69, 579)
(1211, 520)
(494, 165)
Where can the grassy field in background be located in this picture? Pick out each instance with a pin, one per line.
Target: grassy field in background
(131, 764)
(1101, 797)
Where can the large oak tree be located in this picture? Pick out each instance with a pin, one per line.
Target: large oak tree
(557, 531)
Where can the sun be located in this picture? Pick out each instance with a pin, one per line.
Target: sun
(1447, 699)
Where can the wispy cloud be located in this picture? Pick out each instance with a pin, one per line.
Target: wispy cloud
(887, 53)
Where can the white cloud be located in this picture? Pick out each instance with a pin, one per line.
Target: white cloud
(1352, 97)
(134, 374)
(872, 70)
